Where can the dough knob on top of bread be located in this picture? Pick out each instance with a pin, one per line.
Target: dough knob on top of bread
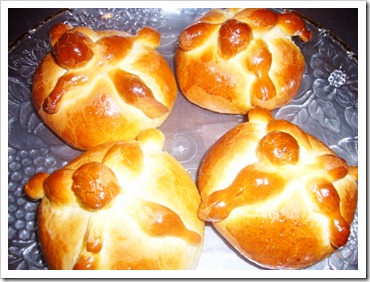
(101, 86)
(231, 60)
(121, 205)
(280, 196)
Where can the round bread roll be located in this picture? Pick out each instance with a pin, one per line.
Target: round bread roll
(121, 205)
(231, 60)
(102, 86)
(280, 196)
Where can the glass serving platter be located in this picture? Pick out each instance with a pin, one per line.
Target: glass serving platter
(326, 106)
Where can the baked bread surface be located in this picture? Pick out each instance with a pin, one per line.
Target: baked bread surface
(231, 60)
(280, 196)
(121, 205)
(100, 86)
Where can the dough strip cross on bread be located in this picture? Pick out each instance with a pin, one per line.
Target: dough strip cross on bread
(81, 57)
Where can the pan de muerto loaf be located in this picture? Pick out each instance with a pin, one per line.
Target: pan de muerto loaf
(101, 86)
(280, 196)
(231, 60)
(121, 205)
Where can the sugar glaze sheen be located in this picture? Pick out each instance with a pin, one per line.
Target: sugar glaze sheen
(328, 112)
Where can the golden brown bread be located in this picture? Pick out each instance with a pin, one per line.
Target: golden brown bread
(231, 60)
(121, 205)
(280, 196)
(101, 86)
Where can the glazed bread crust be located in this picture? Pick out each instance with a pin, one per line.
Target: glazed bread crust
(231, 60)
(280, 196)
(121, 205)
(102, 86)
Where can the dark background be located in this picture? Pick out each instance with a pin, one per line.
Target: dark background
(341, 22)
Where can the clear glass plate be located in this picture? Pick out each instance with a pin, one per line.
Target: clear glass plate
(326, 106)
